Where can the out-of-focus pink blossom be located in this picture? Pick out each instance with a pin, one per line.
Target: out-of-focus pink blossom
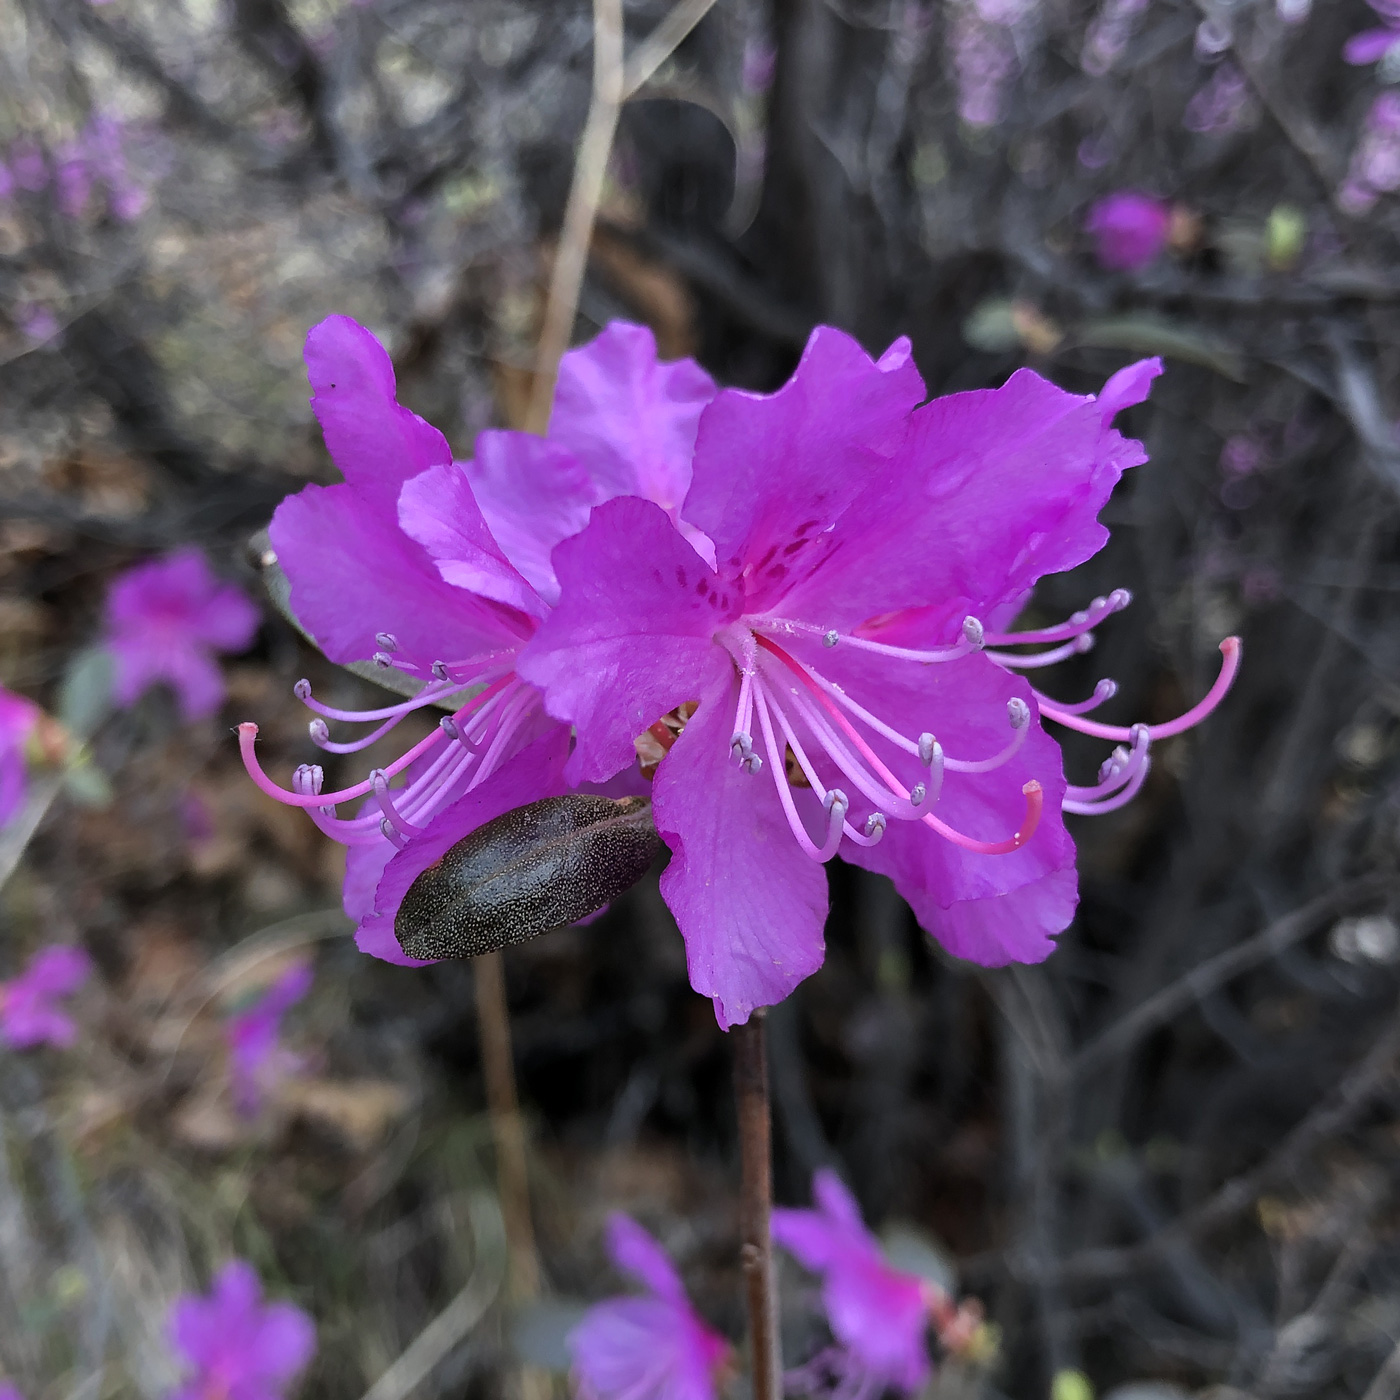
(1129, 229)
(37, 324)
(1375, 45)
(166, 621)
(1241, 455)
(1375, 164)
(1220, 104)
(760, 60)
(982, 49)
(28, 165)
(878, 1315)
(17, 720)
(1108, 34)
(656, 1347)
(1213, 37)
(256, 1059)
(8, 1392)
(237, 1347)
(29, 1014)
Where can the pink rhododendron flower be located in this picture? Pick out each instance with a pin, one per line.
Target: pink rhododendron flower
(29, 1014)
(442, 570)
(1375, 45)
(256, 1060)
(878, 1315)
(651, 1348)
(840, 637)
(17, 719)
(1128, 229)
(166, 621)
(237, 1347)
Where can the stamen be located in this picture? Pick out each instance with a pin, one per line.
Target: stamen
(831, 638)
(931, 753)
(386, 641)
(1116, 770)
(1019, 713)
(1077, 647)
(1229, 668)
(380, 781)
(780, 783)
(971, 640)
(917, 793)
(321, 737)
(1111, 804)
(386, 828)
(1106, 689)
(383, 660)
(1080, 622)
(426, 696)
(1032, 790)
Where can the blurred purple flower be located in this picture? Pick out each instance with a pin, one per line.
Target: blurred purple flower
(166, 620)
(1214, 36)
(442, 570)
(237, 1347)
(17, 719)
(256, 1060)
(37, 324)
(28, 1014)
(1241, 455)
(1375, 164)
(760, 61)
(29, 165)
(8, 1392)
(651, 1348)
(7, 183)
(983, 54)
(878, 1315)
(1108, 34)
(1375, 45)
(1129, 230)
(1220, 104)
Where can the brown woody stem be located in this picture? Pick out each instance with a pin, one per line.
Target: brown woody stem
(756, 1204)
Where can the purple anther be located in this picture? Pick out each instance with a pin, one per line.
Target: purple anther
(917, 793)
(1018, 712)
(386, 641)
(383, 660)
(875, 826)
(829, 639)
(320, 732)
(972, 630)
(302, 689)
(440, 670)
(448, 725)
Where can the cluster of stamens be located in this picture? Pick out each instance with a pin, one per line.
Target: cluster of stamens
(783, 693)
(487, 704)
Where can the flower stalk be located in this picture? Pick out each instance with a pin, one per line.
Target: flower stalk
(756, 1204)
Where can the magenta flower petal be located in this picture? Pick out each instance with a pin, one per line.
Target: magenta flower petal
(376, 443)
(993, 489)
(772, 472)
(58, 971)
(653, 1348)
(878, 1315)
(750, 905)
(355, 575)
(255, 1059)
(1370, 46)
(632, 636)
(635, 1253)
(629, 418)
(440, 510)
(536, 771)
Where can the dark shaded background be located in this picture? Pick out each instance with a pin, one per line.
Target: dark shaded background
(1171, 1152)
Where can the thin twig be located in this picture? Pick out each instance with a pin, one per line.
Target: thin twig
(756, 1205)
(1283, 933)
(661, 43)
(590, 167)
(498, 1065)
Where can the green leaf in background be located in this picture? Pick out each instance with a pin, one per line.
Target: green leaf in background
(1154, 335)
(1071, 1385)
(85, 692)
